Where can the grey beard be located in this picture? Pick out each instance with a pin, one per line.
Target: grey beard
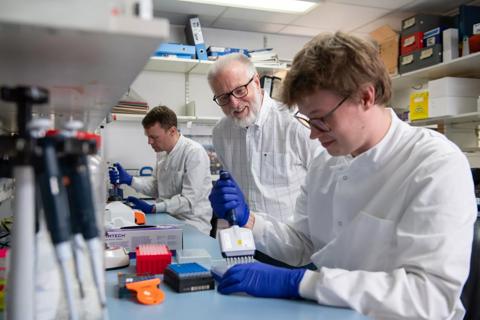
(248, 121)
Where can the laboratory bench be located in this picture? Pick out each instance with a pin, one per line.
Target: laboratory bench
(211, 304)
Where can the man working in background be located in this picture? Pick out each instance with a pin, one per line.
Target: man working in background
(386, 214)
(259, 142)
(181, 180)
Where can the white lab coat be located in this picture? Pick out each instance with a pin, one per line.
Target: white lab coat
(182, 180)
(269, 159)
(389, 230)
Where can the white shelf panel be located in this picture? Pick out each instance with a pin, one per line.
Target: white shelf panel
(87, 63)
(472, 117)
(172, 64)
(167, 64)
(467, 66)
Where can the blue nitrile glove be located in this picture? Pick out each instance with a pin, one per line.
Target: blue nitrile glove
(226, 195)
(262, 280)
(141, 205)
(118, 175)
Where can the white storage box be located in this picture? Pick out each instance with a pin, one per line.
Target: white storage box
(450, 44)
(454, 87)
(450, 106)
(131, 237)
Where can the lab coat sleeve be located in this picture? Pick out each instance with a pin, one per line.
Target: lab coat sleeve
(431, 261)
(146, 185)
(195, 181)
(289, 243)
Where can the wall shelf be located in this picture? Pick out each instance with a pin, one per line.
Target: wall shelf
(472, 117)
(193, 66)
(467, 66)
(86, 60)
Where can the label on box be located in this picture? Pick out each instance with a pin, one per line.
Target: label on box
(406, 59)
(409, 41)
(431, 33)
(427, 53)
(129, 238)
(476, 28)
(431, 41)
(408, 23)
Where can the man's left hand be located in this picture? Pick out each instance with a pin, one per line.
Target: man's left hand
(141, 205)
(262, 280)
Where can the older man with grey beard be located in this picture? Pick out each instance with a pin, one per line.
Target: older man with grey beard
(259, 142)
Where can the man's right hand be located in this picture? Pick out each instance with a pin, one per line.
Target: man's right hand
(225, 196)
(118, 175)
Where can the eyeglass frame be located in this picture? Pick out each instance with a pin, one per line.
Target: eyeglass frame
(307, 122)
(231, 93)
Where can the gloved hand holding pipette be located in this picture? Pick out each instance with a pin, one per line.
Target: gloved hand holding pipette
(226, 196)
(118, 175)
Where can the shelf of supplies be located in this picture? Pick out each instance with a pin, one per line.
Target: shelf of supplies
(193, 66)
(467, 66)
(472, 117)
(86, 61)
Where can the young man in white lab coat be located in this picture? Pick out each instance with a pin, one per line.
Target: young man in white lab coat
(386, 215)
(259, 142)
(181, 181)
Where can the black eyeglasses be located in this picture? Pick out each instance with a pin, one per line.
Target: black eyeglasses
(238, 92)
(318, 123)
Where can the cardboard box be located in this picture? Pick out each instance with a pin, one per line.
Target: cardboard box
(388, 42)
(421, 23)
(433, 37)
(421, 59)
(468, 17)
(411, 43)
(130, 238)
(419, 105)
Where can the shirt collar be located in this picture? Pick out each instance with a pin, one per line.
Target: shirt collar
(379, 152)
(178, 145)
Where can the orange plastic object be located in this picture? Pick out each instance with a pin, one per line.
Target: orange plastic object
(147, 291)
(139, 217)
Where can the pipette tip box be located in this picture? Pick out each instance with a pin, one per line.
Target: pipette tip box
(152, 258)
(188, 277)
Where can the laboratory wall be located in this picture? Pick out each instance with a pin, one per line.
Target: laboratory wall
(168, 88)
(125, 141)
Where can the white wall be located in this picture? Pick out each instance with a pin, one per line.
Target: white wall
(126, 143)
(168, 88)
